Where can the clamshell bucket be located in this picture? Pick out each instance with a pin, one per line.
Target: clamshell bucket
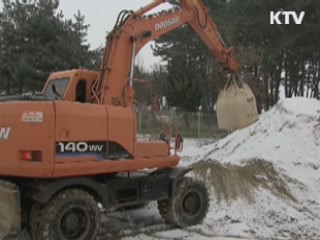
(10, 210)
(236, 106)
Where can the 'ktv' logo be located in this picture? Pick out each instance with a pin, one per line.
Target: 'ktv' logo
(286, 17)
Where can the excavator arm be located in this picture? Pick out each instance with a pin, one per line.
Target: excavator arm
(194, 13)
(133, 30)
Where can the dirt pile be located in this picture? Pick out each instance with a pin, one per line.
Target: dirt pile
(232, 182)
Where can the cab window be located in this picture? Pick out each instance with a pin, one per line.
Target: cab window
(60, 86)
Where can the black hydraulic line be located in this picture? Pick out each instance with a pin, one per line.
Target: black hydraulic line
(119, 17)
(125, 17)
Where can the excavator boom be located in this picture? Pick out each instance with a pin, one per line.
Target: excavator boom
(134, 30)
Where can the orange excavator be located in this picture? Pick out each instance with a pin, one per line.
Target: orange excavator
(75, 145)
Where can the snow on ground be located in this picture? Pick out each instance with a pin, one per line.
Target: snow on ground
(265, 180)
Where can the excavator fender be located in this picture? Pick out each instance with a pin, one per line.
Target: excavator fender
(10, 209)
(43, 192)
(177, 174)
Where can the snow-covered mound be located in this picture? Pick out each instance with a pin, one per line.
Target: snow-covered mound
(288, 133)
(266, 178)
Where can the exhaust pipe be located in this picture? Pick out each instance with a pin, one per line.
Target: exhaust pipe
(10, 209)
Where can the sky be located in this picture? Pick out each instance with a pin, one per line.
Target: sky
(101, 15)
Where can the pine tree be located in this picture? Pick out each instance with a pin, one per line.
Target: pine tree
(36, 40)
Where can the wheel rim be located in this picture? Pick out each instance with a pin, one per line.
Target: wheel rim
(191, 203)
(74, 223)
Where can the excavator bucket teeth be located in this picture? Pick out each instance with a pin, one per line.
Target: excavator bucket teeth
(236, 107)
(10, 210)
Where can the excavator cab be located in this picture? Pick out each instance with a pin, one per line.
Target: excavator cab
(73, 86)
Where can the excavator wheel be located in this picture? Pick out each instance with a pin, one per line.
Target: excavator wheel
(34, 220)
(72, 214)
(188, 206)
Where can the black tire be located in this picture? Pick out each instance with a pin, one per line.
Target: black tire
(164, 207)
(188, 206)
(70, 215)
(25, 211)
(34, 221)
